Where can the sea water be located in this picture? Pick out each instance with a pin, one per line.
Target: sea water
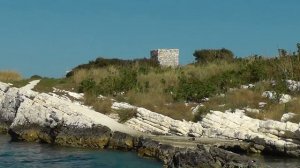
(34, 155)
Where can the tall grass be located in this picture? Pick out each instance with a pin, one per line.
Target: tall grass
(9, 76)
(205, 71)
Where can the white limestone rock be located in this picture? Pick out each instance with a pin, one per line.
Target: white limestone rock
(284, 98)
(9, 104)
(249, 86)
(230, 125)
(151, 122)
(293, 85)
(24, 107)
(196, 109)
(287, 116)
(251, 110)
(262, 104)
(269, 94)
(122, 106)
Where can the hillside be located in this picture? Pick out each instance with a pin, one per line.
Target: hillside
(190, 91)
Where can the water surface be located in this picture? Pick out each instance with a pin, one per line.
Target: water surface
(34, 155)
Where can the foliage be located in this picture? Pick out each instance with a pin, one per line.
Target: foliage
(104, 62)
(87, 85)
(209, 55)
(47, 84)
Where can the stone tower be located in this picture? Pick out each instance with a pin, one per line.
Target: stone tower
(166, 57)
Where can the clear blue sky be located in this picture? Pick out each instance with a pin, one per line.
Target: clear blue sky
(48, 37)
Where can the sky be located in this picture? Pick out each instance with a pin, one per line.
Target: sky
(50, 37)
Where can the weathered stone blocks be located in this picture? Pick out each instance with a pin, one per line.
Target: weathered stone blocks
(166, 57)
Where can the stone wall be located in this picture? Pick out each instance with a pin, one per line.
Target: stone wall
(166, 57)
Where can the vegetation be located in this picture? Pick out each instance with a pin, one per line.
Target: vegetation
(9, 76)
(174, 91)
(208, 55)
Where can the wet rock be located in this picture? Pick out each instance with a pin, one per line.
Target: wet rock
(147, 147)
(206, 156)
(31, 133)
(95, 137)
(165, 153)
(121, 141)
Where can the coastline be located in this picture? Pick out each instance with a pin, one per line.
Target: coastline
(39, 117)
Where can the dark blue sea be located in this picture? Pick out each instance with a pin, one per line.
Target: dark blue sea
(34, 155)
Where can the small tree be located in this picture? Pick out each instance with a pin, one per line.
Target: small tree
(208, 55)
(298, 48)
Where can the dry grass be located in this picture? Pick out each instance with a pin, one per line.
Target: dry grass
(161, 103)
(242, 98)
(237, 99)
(100, 105)
(275, 111)
(126, 114)
(95, 73)
(9, 76)
(204, 71)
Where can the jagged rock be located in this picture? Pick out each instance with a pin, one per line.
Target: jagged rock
(122, 106)
(95, 137)
(155, 123)
(147, 147)
(166, 153)
(121, 141)
(32, 133)
(275, 136)
(210, 157)
(9, 105)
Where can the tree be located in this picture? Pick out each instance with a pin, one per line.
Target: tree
(208, 55)
(298, 48)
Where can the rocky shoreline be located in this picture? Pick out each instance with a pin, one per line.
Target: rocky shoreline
(39, 117)
(264, 136)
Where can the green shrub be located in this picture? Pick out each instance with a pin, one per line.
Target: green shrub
(87, 85)
(209, 55)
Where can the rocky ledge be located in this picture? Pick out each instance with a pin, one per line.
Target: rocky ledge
(264, 136)
(40, 117)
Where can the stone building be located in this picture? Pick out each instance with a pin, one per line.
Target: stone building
(166, 57)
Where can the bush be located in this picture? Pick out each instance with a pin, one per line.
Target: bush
(36, 77)
(87, 85)
(100, 62)
(209, 55)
